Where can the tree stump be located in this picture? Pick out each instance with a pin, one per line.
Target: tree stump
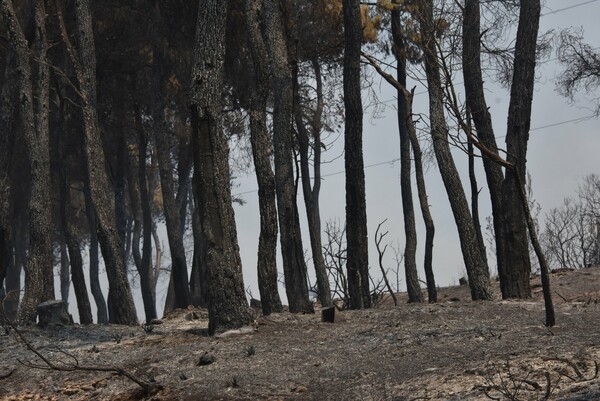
(332, 315)
(53, 313)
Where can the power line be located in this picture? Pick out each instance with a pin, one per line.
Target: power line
(392, 161)
(568, 8)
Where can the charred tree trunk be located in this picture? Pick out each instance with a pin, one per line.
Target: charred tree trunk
(33, 92)
(73, 245)
(121, 308)
(261, 154)
(179, 271)
(227, 304)
(356, 208)
(198, 290)
(475, 199)
(475, 98)
(99, 300)
(6, 150)
(65, 271)
(311, 192)
(145, 267)
(518, 264)
(475, 264)
(424, 204)
(294, 265)
(410, 231)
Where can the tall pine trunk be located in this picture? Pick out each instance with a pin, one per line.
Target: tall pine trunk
(261, 151)
(227, 304)
(145, 266)
(121, 309)
(72, 242)
(33, 93)
(356, 207)
(477, 105)
(311, 191)
(518, 264)
(475, 263)
(410, 231)
(294, 265)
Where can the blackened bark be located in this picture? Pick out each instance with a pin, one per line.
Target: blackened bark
(121, 308)
(227, 304)
(475, 98)
(475, 199)
(294, 265)
(65, 271)
(99, 300)
(33, 90)
(424, 204)
(518, 265)
(145, 267)
(179, 270)
(198, 277)
(410, 231)
(73, 245)
(475, 264)
(261, 154)
(6, 151)
(356, 208)
(311, 192)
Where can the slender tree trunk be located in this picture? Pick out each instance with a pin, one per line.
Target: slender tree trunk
(475, 199)
(145, 267)
(73, 245)
(424, 204)
(65, 271)
(198, 278)
(261, 152)
(6, 151)
(179, 271)
(356, 209)
(410, 251)
(311, 191)
(101, 309)
(475, 98)
(33, 93)
(227, 304)
(294, 265)
(121, 308)
(475, 263)
(518, 264)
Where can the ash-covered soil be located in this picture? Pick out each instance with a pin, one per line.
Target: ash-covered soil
(454, 350)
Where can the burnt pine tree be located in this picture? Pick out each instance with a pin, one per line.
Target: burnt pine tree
(356, 209)
(475, 262)
(33, 92)
(261, 151)
(475, 99)
(179, 274)
(516, 248)
(312, 191)
(121, 308)
(294, 265)
(410, 264)
(227, 305)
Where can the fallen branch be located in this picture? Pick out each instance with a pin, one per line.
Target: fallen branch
(149, 386)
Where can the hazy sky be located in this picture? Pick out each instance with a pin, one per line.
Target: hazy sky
(561, 153)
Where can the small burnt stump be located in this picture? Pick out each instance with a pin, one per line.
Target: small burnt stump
(331, 315)
(53, 313)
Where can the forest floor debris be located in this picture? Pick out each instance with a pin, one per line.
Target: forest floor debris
(453, 350)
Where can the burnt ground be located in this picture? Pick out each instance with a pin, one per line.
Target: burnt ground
(454, 350)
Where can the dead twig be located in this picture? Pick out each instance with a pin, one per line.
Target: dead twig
(72, 364)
